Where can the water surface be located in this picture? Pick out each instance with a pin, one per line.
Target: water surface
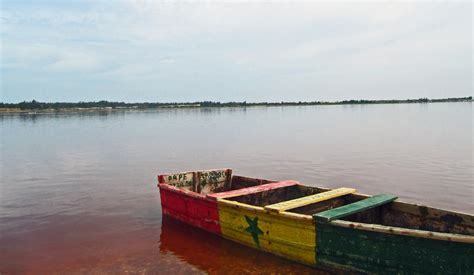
(78, 190)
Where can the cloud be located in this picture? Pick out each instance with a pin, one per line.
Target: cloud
(256, 50)
(75, 62)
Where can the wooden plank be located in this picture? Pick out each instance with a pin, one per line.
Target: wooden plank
(253, 189)
(450, 237)
(355, 207)
(180, 180)
(444, 220)
(228, 180)
(212, 180)
(291, 204)
(198, 181)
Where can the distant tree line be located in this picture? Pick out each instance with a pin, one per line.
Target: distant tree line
(36, 105)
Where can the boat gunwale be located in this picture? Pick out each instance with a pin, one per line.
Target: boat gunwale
(393, 230)
(184, 191)
(252, 189)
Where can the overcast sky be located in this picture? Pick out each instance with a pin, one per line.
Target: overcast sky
(149, 51)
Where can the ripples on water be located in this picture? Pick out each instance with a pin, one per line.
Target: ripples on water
(78, 191)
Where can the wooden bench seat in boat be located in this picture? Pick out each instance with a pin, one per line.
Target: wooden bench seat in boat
(303, 201)
(355, 207)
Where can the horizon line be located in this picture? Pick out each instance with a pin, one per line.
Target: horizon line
(244, 101)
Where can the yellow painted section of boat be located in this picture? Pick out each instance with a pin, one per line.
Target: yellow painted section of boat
(299, 202)
(285, 234)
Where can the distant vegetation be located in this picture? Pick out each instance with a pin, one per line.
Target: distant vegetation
(59, 106)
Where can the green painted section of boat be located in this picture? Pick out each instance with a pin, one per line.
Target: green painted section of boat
(355, 207)
(381, 253)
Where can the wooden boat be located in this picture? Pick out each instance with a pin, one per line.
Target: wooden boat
(320, 226)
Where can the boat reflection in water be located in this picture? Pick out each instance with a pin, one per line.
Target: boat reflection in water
(213, 254)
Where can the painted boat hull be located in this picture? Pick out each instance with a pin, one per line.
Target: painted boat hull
(381, 253)
(194, 209)
(284, 235)
(341, 244)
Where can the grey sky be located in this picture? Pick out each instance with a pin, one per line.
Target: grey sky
(150, 51)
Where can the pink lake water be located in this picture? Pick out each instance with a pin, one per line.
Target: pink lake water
(78, 190)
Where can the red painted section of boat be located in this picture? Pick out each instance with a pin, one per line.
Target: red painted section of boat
(201, 210)
(190, 207)
(252, 190)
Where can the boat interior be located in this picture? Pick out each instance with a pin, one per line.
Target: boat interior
(412, 216)
(395, 214)
(278, 195)
(236, 182)
(239, 182)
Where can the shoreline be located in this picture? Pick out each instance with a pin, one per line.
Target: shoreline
(15, 109)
